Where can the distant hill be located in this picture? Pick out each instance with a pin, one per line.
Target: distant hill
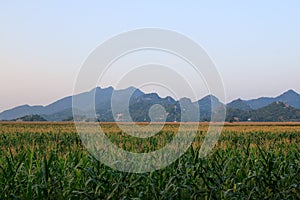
(239, 104)
(21, 111)
(274, 112)
(31, 118)
(261, 109)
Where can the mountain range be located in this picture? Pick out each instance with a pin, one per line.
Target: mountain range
(285, 107)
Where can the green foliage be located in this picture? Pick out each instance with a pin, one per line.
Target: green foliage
(31, 118)
(45, 161)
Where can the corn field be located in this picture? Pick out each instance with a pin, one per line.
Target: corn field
(250, 161)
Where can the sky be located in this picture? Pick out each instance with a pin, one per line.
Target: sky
(255, 45)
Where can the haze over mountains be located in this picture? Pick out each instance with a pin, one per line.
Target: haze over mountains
(285, 107)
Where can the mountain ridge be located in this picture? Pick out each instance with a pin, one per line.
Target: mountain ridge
(141, 102)
(290, 96)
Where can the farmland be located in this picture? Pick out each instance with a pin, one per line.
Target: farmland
(250, 161)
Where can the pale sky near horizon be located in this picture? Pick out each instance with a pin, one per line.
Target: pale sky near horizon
(254, 44)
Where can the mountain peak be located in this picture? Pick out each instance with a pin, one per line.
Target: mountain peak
(99, 88)
(239, 104)
(290, 92)
(210, 97)
(289, 95)
(238, 100)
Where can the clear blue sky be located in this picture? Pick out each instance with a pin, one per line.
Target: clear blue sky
(254, 44)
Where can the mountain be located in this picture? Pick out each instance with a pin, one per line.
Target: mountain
(290, 97)
(58, 107)
(239, 104)
(274, 112)
(21, 111)
(139, 104)
(206, 105)
(142, 107)
(277, 112)
(260, 102)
